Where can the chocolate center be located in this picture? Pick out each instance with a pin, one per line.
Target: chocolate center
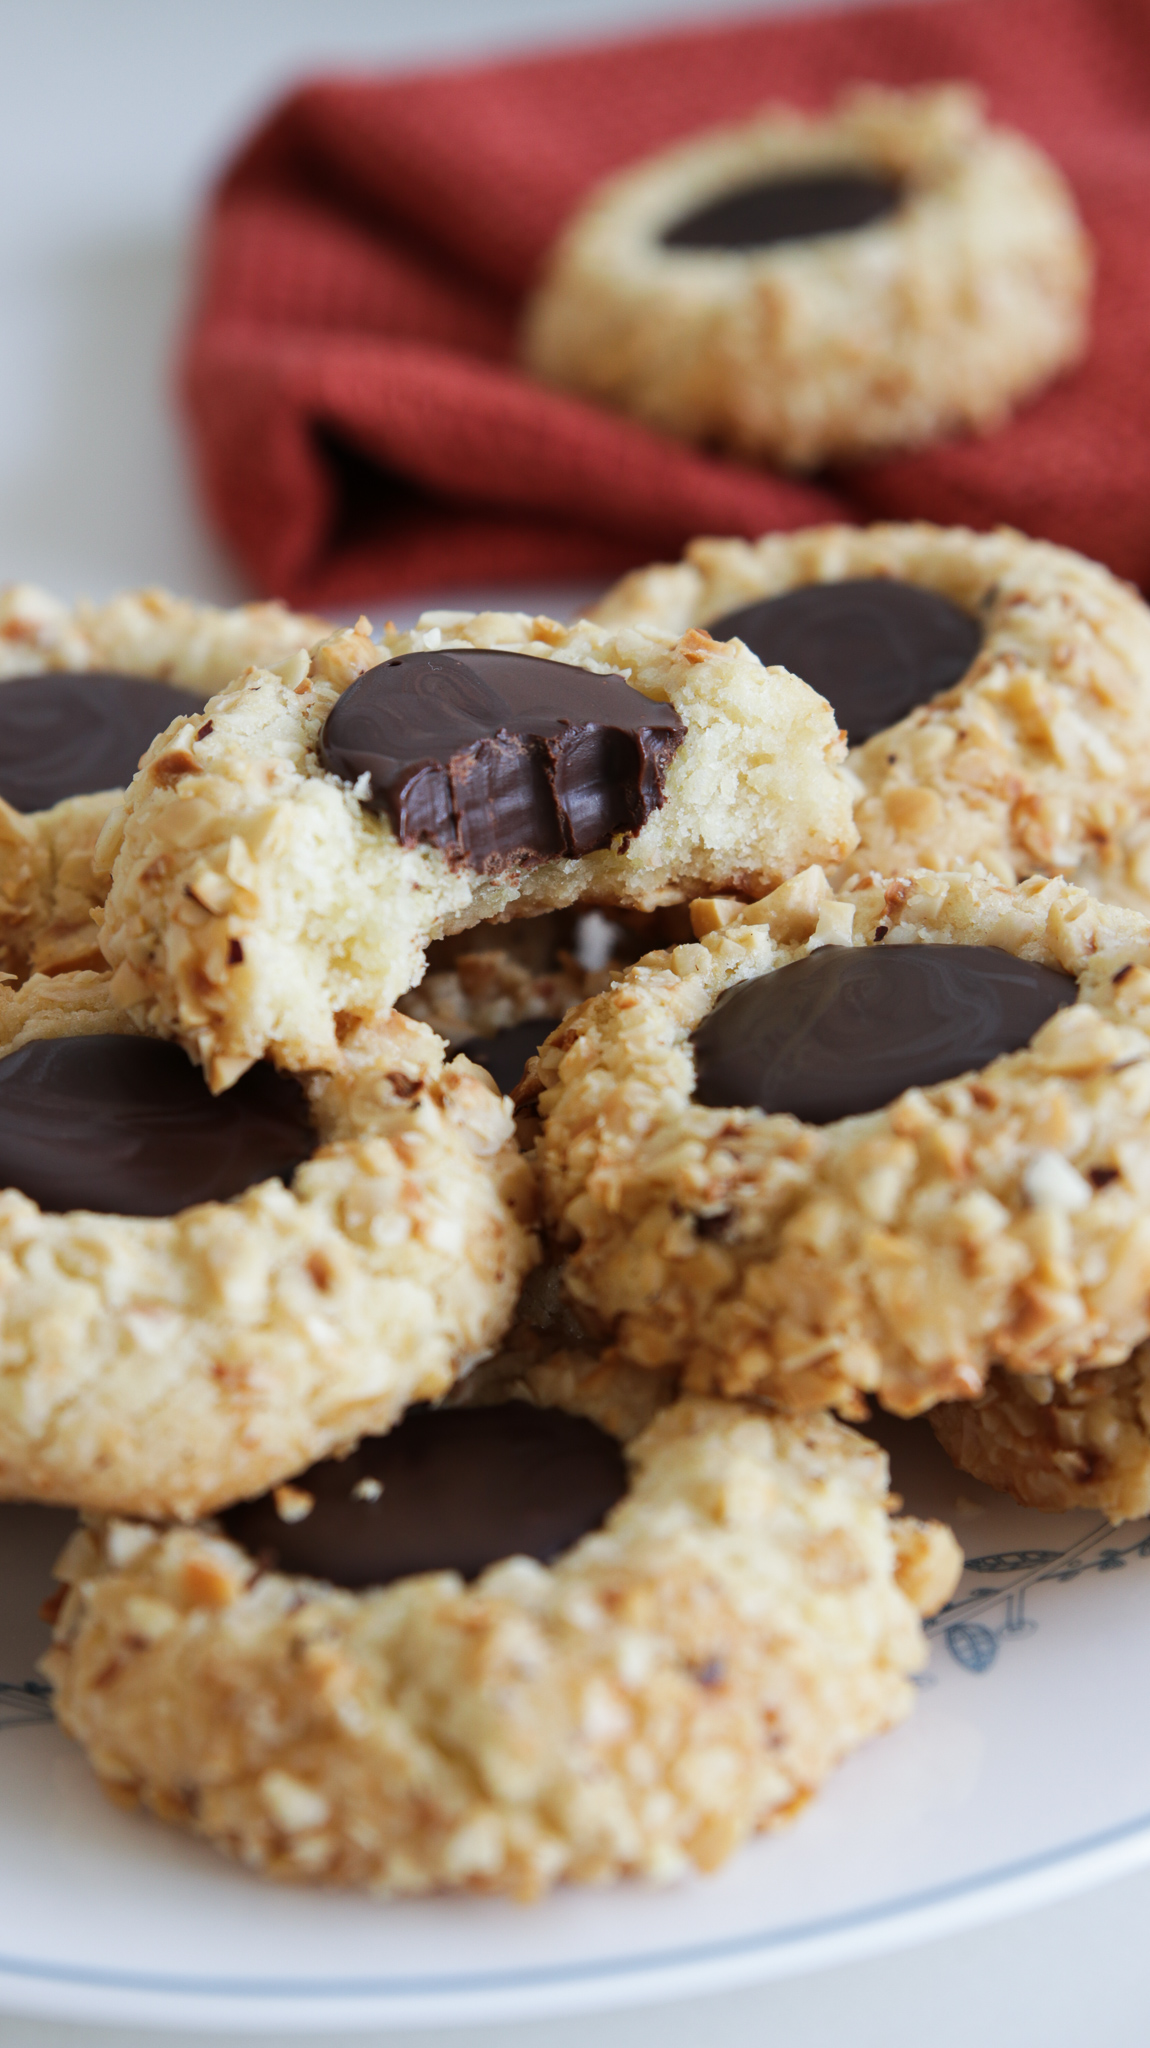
(850, 1027)
(873, 647)
(506, 1052)
(502, 760)
(72, 732)
(794, 209)
(128, 1127)
(449, 1489)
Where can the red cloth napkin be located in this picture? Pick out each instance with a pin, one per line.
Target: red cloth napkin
(361, 425)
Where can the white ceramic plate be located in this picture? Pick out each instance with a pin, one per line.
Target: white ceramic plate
(1024, 1774)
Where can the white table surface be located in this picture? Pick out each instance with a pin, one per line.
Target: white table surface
(115, 113)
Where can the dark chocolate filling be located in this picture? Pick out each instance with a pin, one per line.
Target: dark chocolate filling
(449, 1489)
(505, 1053)
(502, 759)
(128, 1127)
(849, 1028)
(873, 647)
(73, 732)
(794, 209)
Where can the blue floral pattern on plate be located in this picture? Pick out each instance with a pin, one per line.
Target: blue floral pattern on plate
(24, 1704)
(980, 1618)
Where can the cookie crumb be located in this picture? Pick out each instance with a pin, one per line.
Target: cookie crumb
(293, 1503)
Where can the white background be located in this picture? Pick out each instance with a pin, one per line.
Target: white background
(114, 115)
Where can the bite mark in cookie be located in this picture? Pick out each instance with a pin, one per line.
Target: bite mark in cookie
(244, 839)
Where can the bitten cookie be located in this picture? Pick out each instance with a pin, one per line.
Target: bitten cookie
(995, 690)
(808, 289)
(682, 1642)
(197, 1295)
(871, 1142)
(283, 872)
(77, 709)
(1085, 1444)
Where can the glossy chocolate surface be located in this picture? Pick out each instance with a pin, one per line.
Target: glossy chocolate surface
(794, 209)
(71, 733)
(127, 1126)
(502, 760)
(449, 1489)
(848, 1028)
(873, 647)
(505, 1053)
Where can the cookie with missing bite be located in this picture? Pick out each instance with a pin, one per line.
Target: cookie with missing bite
(282, 874)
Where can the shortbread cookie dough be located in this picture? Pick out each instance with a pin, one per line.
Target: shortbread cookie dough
(262, 899)
(676, 1678)
(808, 289)
(197, 1295)
(77, 709)
(1026, 749)
(847, 1237)
(1082, 1444)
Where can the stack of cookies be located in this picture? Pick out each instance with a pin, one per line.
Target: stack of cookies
(392, 1572)
(483, 1112)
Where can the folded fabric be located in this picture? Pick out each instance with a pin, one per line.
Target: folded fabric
(360, 422)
